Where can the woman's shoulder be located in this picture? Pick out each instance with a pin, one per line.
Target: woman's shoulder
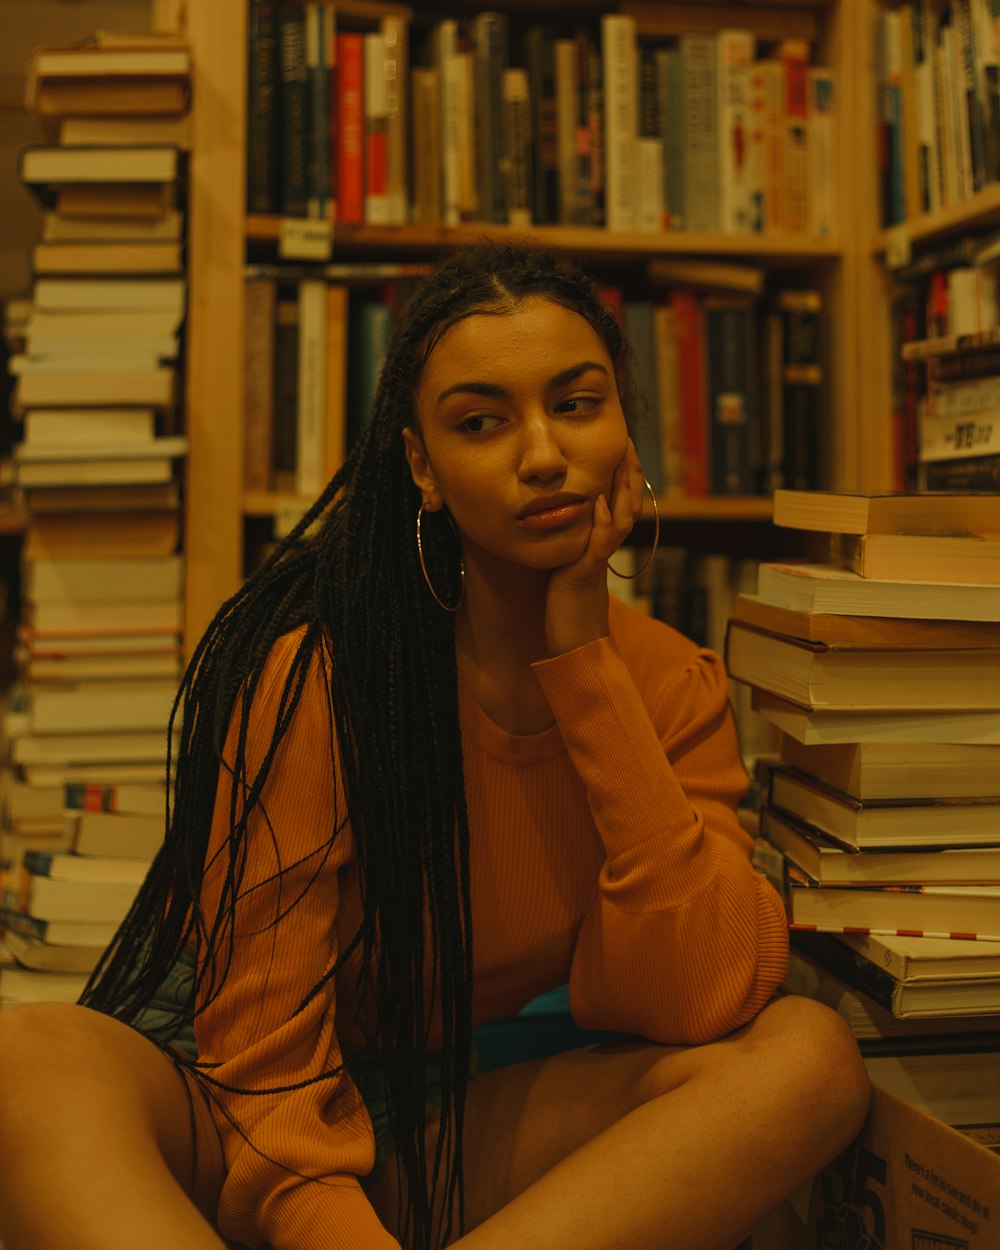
(661, 659)
(639, 636)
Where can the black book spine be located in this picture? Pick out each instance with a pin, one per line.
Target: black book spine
(975, 473)
(540, 56)
(733, 386)
(262, 108)
(842, 961)
(294, 111)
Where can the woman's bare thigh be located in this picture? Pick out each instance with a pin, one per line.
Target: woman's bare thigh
(81, 1071)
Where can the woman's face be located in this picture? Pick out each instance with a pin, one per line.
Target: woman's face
(519, 428)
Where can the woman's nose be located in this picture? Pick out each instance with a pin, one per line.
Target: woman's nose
(542, 457)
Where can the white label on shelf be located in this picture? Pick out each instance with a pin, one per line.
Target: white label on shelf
(898, 248)
(302, 238)
(287, 515)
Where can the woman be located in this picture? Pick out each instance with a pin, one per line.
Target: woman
(454, 774)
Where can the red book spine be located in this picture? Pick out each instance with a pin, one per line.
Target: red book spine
(351, 127)
(691, 390)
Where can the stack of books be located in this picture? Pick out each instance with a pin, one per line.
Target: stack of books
(881, 669)
(96, 390)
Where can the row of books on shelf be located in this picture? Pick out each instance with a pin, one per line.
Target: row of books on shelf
(729, 379)
(475, 120)
(946, 362)
(938, 82)
(879, 669)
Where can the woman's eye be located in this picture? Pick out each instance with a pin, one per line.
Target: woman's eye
(477, 424)
(578, 403)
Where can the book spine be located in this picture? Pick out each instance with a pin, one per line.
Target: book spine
(972, 96)
(567, 92)
(539, 53)
(979, 364)
(335, 362)
(701, 132)
(795, 60)
(262, 112)
(583, 177)
(986, 83)
(517, 147)
(756, 141)
(732, 395)
(367, 344)
(979, 473)
(596, 152)
(395, 45)
(619, 56)
(912, 199)
(965, 398)
(822, 178)
(294, 111)
(736, 50)
(329, 54)
(923, 72)
(318, 75)
(491, 43)
(446, 62)
(286, 371)
(376, 161)
(468, 202)
(638, 321)
(310, 442)
(989, 45)
(351, 128)
(425, 112)
(945, 116)
(671, 433)
(959, 437)
(907, 324)
(849, 965)
(260, 303)
(690, 351)
(802, 389)
(772, 164)
(649, 148)
(892, 117)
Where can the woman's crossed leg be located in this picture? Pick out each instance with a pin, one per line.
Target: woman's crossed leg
(633, 1146)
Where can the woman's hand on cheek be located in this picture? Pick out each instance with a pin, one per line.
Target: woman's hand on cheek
(576, 610)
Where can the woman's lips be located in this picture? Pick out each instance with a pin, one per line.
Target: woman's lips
(553, 518)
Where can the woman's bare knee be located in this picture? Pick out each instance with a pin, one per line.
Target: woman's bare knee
(818, 1059)
(60, 1064)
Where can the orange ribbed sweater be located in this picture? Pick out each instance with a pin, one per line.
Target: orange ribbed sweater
(604, 852)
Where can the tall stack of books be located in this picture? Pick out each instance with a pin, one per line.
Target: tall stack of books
(881, 669)
(97, 389)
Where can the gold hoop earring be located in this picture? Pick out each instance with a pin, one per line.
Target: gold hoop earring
(628, 577)
(423, 567)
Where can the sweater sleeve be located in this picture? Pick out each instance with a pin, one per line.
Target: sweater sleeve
(294, 1147)
(683, 941)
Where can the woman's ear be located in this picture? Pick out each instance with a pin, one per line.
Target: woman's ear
(421, 471)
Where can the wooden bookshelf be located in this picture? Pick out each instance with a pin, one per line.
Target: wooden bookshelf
(844, 267)
(595, 244)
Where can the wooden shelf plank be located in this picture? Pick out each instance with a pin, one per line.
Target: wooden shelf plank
(580, 240)
(978, 211)
(711, 508)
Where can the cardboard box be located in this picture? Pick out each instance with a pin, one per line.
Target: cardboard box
(907, 1182)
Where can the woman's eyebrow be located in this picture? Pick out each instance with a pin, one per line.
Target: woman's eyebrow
(491, 390)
